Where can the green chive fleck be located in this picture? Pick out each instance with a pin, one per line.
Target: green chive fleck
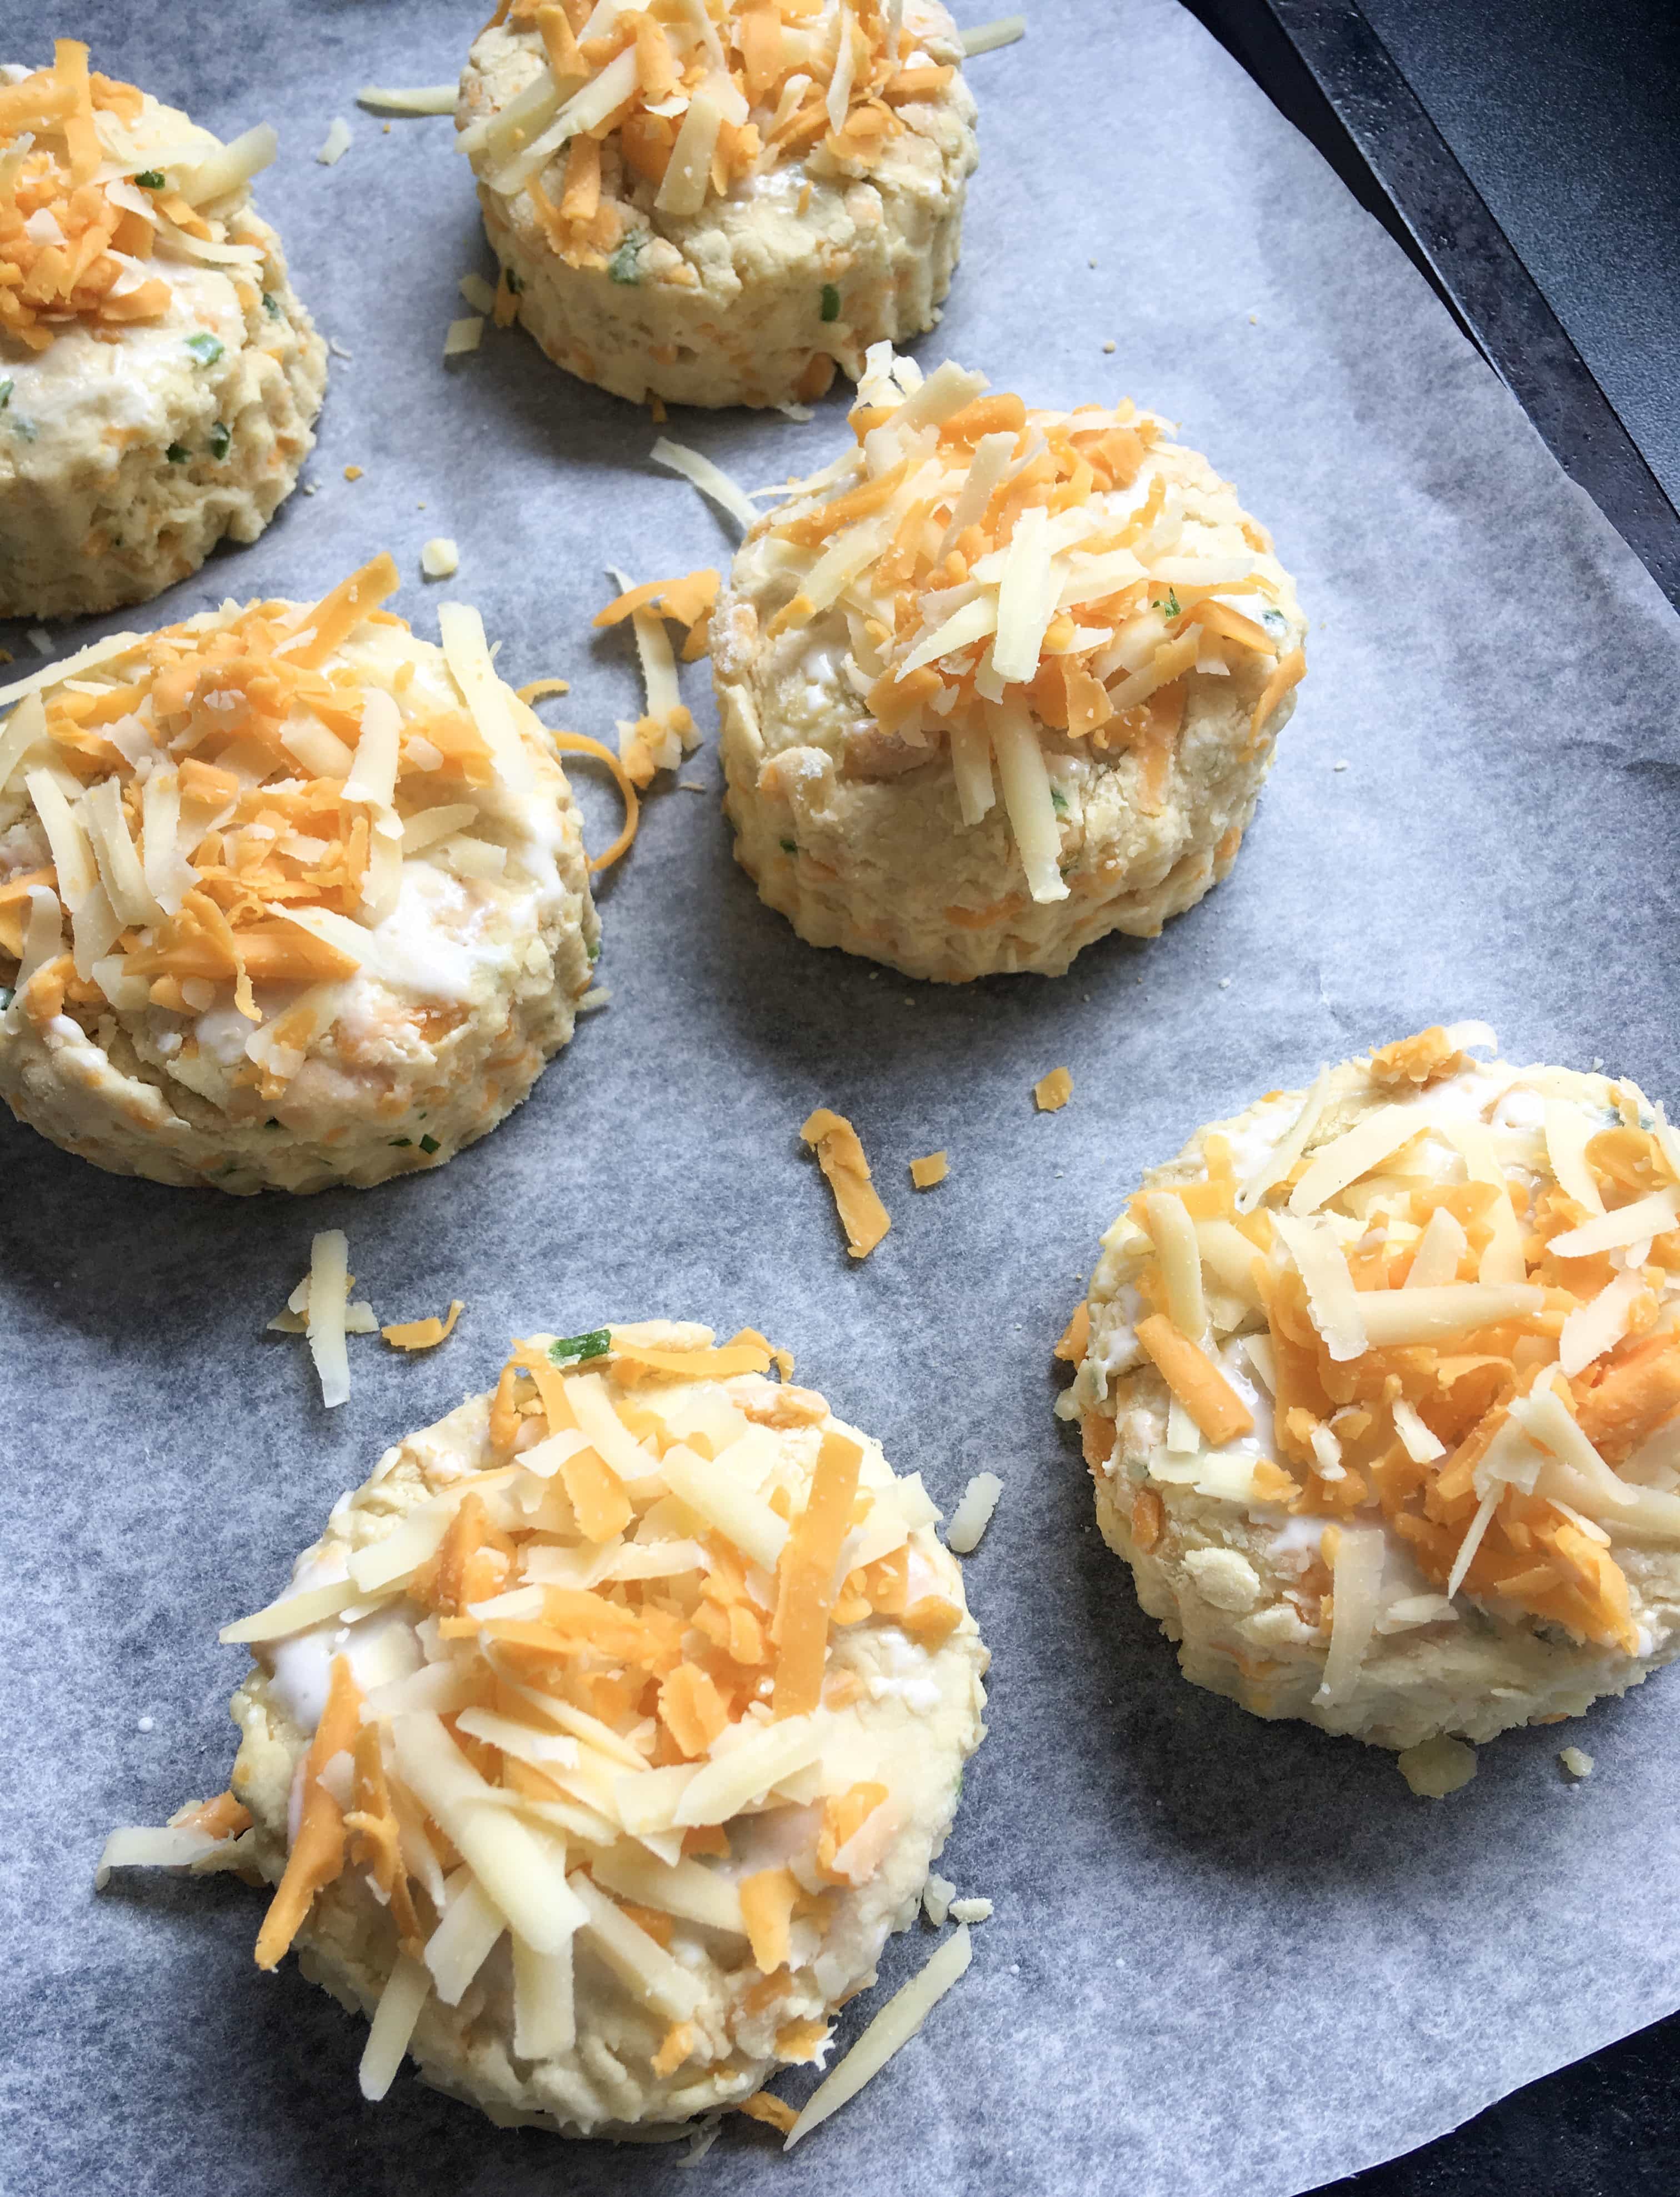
(1274, 621)
(830, 301)
(401, 1143)
(594, 953)
(221, 441)
(6, 388)
(428, 1146)
(270, 306)
(1058, 800)
(177, 454)
(206, 347)
(1170, 608)
(575, 1349)
(624, 266)
(150, 179)
(789, 846)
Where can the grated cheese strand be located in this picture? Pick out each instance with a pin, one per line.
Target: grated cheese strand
(899, 2020)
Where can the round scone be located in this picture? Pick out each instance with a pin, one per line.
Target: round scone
(603, 1797)
(1378, 1385)
(998, 683)
(158, 379)
(718, 204)
(288, 897)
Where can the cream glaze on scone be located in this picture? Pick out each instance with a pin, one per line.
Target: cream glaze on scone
(453, 931)
(165, 399)
(1302, 1562)
(901, 1702)
(816, 246)
(1130, 737)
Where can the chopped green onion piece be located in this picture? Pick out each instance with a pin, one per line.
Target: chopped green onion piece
(5, 388)
(1058, 800)
(594, 953)
(624, 265)
(206, 347)
(428, 1146)
(221, 441)
(1170, 608)
(270, 306)
(402, 1144)
(575, 1349)
(177, 454)
(789, 846)
(150, 179)
(830, 301)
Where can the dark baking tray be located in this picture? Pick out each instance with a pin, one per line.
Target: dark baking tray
(1323, 63)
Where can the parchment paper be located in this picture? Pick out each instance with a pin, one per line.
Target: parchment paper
(1227, 1957)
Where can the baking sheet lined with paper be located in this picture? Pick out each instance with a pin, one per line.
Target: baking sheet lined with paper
(1225, 1955)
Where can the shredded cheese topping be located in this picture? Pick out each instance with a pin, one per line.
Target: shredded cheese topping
(666, 732)
(227, 805)
(693, 100)
(97, 184)
(619, 1665)
(1002, 585)
(1465, 1304)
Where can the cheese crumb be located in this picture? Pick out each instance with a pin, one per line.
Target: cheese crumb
(970, 1910)
(424, 1334)
(986, 38)
(925, 1173)
(464, 335)
(336, 144)
(352, 472)
(40, 640)
(937, 1893)
(440, 559)
(1438, 1766)
(973, 1515)
(477, 292)
(840, 1155)
(1108, 346)
(1576, 1761)
(1052, 1092)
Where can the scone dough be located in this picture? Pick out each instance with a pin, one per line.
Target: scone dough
(815, 249)
(130, 447)
(1348, 1499)
(900, 1699)
(925, 810)
(455, 933)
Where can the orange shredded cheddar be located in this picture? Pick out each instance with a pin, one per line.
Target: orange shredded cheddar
(1075, 1336)
(424, 1334)
(1420, 1060)
(1052, 1092)
(767, 1907)
(924, 1173)
(774, 2112)
(317, 1852)
(1195, 1380)
(806, 1578)
(224, 1818)
(841, 1158)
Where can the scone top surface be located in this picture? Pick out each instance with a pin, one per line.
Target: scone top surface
(288, 896)
(998, 681)
(593, 1684)
(1379, 1390)
(716, 203)
(158, 377)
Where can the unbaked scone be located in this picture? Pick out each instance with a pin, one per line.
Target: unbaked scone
(606, 1733)
(159, 378)
(717, 205)
(288, 896)
(1378, 1384)
(998, 683)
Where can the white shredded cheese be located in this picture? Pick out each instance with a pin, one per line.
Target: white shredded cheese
(1600, 1324)
(1027, 798)
(423, 99)
(407, 1989)
(973, 1514)
(1333, 1305)
(1613, 1232)
(1357, 1573)
(894, 2027)
(461, 631)
(986, 38)
(1355, 1153)
(708, 478)
(1289, 1146)
(440, 558)
(329, 1290)
(463, 335)
(336, 144)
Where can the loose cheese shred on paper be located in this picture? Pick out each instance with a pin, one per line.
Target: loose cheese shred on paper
(893, 2027)
(840, 1155)
(926, 1173)
(336, 144)
(423, 99)
(986, 38)
(1052, 1092)
(440, 559)
(710, 479)
(973, 1515)
(464, 335)
(424, 1334)
(329, 1291)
